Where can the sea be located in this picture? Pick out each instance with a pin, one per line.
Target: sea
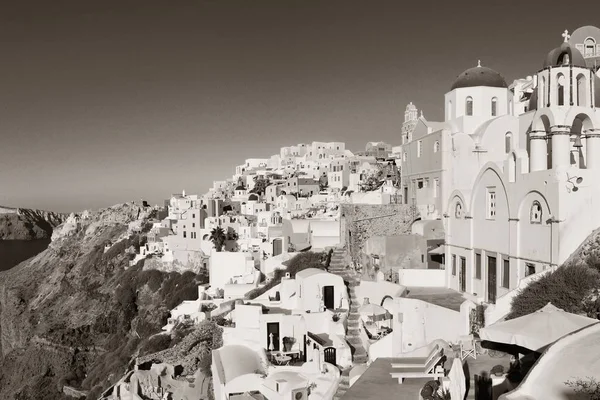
(12, 252)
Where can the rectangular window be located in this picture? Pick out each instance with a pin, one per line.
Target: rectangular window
(491, 203)
(419, 148)
(506, 274)
(477, 265)
(453, 264)
(193, 224)
(436, 187)
(529, 269)
(184, 234)
(420, 184)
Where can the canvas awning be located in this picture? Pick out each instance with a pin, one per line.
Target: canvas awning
(537, 330)
(441, 249)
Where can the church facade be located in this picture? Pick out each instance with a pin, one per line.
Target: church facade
(512, 170)
(534, 194)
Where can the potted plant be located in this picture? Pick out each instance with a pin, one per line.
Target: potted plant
(497, 370)
(288, 342)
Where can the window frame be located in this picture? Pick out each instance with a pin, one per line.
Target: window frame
(505, 273)
(478, 269)
(490, 205)
(531, 219)
(469, 106)
(453, 264)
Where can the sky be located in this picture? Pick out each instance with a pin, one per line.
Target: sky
(103, 102)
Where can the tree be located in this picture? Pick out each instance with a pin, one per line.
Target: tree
(218, 237)
(323, 182)
(260, 185)
(374, 181)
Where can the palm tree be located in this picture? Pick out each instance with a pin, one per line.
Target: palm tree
(218, 237)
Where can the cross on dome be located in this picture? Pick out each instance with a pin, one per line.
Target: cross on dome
(566, 35)
(479, 63)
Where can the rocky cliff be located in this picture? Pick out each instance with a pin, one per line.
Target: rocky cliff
(76, 314)
(26, 224)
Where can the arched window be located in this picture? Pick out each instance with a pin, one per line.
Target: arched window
(458, 210)
(449, 109)
(581, 90)
(494, 107)
(544, 93)
(589, 47)
(560, 89)
(508, 142)
(404, 157)
(436, 146)
(535, 216)
(469, 106)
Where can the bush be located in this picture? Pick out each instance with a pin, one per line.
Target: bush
(565, 288)
(589, 388)
(298, 263)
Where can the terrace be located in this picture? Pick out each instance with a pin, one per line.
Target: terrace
(376, 382)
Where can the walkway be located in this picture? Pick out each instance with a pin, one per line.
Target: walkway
(442, 297)
(359, 354)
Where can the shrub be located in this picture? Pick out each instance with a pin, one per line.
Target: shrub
(565, 288)
(589, 388)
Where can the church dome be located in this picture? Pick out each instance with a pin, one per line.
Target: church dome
(479, 76)
(556, 57)
(240, 188)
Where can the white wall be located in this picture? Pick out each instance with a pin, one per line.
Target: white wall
(422, 277)
(424, 322)
(225, 265)
(376, 291)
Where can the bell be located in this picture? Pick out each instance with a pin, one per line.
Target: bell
(578, 141)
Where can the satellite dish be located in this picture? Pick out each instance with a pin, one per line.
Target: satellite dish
(579, 179)
(575, 189)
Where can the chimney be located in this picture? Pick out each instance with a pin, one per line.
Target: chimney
(365, 301)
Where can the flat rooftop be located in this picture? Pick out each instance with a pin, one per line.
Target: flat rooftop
(377, 384)
(442, 297)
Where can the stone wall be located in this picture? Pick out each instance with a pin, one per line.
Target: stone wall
(361, 221)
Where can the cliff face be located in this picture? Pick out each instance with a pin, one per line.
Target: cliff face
(26, 224)
(75, 314)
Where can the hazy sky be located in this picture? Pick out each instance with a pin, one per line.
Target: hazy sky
(103, 102)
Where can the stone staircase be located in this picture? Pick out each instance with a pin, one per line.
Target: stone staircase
(338, 266)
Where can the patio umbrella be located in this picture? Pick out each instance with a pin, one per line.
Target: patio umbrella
(537, 330)
(373, 311)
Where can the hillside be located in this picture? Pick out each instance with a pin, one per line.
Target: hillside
(26, 224)
(76, 314)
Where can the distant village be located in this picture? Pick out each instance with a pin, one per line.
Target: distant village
(372, 274)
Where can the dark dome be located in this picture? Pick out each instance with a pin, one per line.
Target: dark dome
(555, 57)
(479, 76)
(240, 188)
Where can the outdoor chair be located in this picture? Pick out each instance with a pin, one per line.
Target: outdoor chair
(467, 347)
(282, 359)
(409, 362)
(429, 370)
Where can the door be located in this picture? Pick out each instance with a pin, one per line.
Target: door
(273, 328)
(328, 297)
(463, 274)
(277, 247)
(491, 280)
(329, 355)
(304, 353)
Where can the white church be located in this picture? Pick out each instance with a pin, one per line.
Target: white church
(511, 171)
